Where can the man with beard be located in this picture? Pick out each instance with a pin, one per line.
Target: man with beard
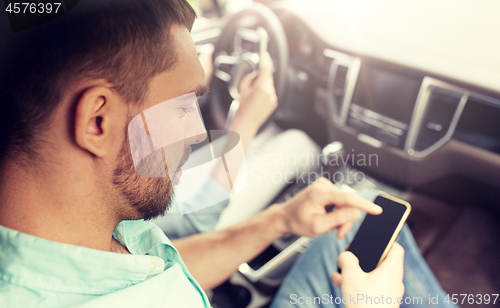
(73, 211)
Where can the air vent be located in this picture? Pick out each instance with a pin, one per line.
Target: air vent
(338, 88)
(339, 83)
(342, 78)
(438, 117)
(325, 69)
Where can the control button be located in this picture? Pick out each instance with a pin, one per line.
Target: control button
(387, 138)
(372, 115)
(434, 126)
(369, 140)
(394, 130)
(358, 125)
(357, 108)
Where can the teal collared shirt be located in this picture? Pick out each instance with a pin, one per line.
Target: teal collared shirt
(35, 272)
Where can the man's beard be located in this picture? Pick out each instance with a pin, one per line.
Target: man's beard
(149, 197)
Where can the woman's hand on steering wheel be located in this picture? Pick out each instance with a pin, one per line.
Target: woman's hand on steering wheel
(258, 99)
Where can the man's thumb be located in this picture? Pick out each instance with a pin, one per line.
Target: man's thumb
(348, 262)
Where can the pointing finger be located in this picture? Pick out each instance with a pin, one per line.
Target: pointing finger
(348, 199)
(337, 218)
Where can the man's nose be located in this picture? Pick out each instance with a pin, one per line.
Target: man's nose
(194, 130)
(195, 139)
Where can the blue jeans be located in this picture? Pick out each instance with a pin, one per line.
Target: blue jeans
(310, 275)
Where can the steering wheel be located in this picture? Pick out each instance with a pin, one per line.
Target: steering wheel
(240, 39)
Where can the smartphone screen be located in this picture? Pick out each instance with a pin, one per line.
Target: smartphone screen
(376, 232)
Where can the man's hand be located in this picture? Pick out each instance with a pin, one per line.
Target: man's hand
(306, 214)
(257, 98)
(386, 280)
(214, 256)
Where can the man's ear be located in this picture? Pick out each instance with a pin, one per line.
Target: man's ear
(97, 118)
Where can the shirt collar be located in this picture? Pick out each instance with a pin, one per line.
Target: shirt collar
(37, 263)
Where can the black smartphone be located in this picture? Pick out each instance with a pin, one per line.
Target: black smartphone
(377, 233)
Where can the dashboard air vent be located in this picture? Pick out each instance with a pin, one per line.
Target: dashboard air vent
(344, 70)
(339, 83)
(438, 117)
(338, 88)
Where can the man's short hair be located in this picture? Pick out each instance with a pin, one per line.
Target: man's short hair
(125, 42)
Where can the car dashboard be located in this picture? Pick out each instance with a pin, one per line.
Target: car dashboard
(433, 130)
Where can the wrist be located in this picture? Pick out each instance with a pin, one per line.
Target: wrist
(243, 127)
(247, 132)
(278, 218)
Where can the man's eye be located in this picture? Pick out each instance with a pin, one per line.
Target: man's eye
(185, 110)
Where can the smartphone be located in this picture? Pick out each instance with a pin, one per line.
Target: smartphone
(377, 233)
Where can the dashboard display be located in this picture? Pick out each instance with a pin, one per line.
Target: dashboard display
(479, 126)
(387, 93)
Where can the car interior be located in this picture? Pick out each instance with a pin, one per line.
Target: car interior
(416, 84)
